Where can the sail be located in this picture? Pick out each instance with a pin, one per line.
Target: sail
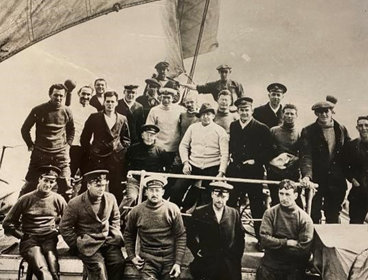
(182, 21)
(25, 22)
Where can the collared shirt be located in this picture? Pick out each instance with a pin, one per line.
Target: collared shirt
(80, 115)
(244, 124)
(205, 146)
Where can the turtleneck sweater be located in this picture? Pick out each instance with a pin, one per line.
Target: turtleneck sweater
(54, 127)
(35, 213)
(329, 135)
(280, 224)
(224, 119)
(285, 138)
(160, 228)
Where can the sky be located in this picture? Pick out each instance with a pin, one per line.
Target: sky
(315, 48)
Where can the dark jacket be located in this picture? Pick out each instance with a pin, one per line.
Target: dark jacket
(105, 141)
(215, 87)
(315, 161)
(217, 243)
(264, 114)
(356, 156)
(96, 103)
(135, 117)
(252, 142)
(83, 229)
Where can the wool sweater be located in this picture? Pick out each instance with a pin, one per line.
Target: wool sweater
(35, 213)
(224, 119)
(280, 224)
(54, 127)
(186, 119)
(160, 228)
(286, 139)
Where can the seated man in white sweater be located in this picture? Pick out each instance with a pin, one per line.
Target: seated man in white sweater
(204, 150)
(286, 235)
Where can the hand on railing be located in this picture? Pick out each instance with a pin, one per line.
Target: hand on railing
(308, 184)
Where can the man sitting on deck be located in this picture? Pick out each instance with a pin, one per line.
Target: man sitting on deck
(286, 235)
(33, 219)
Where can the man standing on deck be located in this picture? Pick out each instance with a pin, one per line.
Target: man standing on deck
(98, 99)
(34, 219)
(54, 135)
(286, 236)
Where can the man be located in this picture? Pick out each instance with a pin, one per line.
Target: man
(91, 228)
(149, 98)
(322, 162)
(190, 116)
(81, 111)
(163, 68)
(54, 134)
(225, 82)
(34, 220)
(223, 115)
(132, 110)
(166, 117)
(204, 151)
(162, 238)
(145, 155)
(271, 113)
(111, 139)
(250, 148)
(356, 155)
(98, 99)
(286, 235)
(216, 238)
(286, 142)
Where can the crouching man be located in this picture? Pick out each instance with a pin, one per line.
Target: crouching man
(34, 220)
(91, 228)
(286, 235)
(161, 232)
(216, 238)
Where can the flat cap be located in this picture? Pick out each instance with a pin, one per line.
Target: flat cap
(166, 91)
(153, 82)
(150, 128)
(49, 171)
(276, 87)
(323, 105)
(131, 87)
(221, 185)
(206, 107)
(223, 67)
(99, 174)
(162, 64)
(155, 181)
(243, 101)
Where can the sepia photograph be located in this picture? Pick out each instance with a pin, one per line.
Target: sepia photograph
(184, 139)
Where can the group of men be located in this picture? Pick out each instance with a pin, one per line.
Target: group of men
(159, 132)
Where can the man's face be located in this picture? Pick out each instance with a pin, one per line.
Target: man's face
(45, 184)
(207, 118)
(152, 90)
(287, 197)
(162, 73)
(324, 115)
(275, 98)
(245, 113)
(85, 96)
(100, 87)
(290, 116)
(190, 105)
(96, 187)
(154, 194)
(110, 104)
(149, 137)
(224, 74)
(224, 102)
(130, 95)
(57, 96)
(219, 198)
(166, 99)
(362, 127)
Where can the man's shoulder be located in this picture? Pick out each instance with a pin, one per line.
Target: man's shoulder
(77, 200)
(121, 117)
(171, 206)
(109, 197)
(261, 108)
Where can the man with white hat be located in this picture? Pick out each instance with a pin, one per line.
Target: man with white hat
(33, 219)
(322, 162)
(91, 228)
(216, 238)
(160, 228)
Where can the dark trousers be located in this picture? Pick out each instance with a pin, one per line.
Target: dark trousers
(106, 263)
(178, 190)
(358, 205)
(156, 267)
(264, 273)
(41, 256)
(328, 200)
(78, 160)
